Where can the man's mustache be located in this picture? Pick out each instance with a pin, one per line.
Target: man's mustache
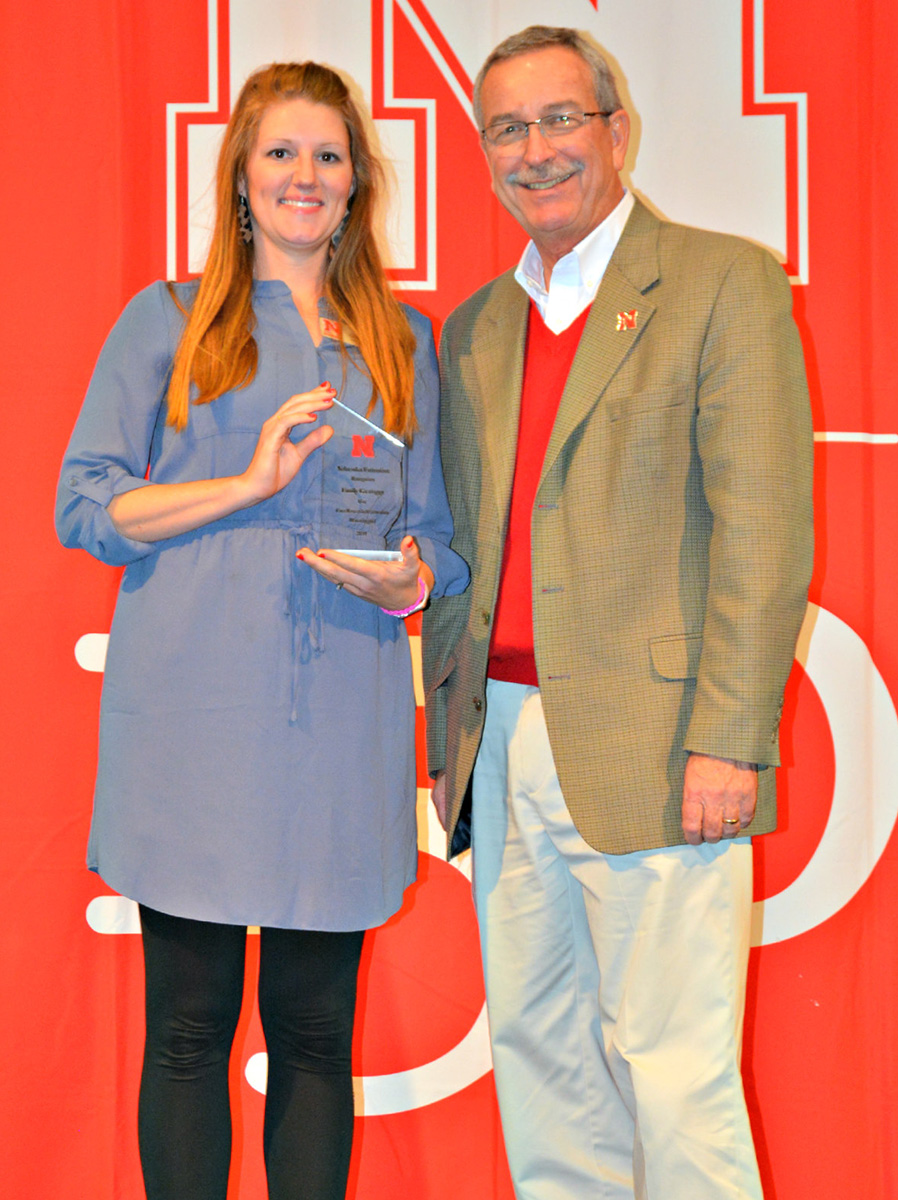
(547, 174)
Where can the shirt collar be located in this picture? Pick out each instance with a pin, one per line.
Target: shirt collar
(584, 266)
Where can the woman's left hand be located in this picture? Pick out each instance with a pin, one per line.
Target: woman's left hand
(390, 585)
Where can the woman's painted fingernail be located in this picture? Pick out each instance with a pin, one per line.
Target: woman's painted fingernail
(301, 557)
(320, 554)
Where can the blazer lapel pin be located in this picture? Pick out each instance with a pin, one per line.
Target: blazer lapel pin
(626, 320)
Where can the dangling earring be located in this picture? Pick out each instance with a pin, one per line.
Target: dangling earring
(244, 223)
(337, 235)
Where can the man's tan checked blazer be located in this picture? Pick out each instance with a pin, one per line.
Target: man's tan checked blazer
(671, 535)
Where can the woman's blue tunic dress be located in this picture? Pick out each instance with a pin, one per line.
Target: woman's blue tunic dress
(256, 760)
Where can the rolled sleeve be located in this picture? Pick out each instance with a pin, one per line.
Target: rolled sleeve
(111, 446)
(82, 519)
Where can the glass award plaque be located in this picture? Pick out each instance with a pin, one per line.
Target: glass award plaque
(363, 487)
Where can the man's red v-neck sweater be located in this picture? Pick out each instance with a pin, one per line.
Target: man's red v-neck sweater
(547, 364)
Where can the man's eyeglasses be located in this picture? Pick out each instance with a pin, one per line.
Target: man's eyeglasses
(507, 133)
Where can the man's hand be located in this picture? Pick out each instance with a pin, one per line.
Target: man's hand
(719, 798)
(438, 796)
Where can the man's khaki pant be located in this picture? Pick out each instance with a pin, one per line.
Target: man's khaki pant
(615, 987)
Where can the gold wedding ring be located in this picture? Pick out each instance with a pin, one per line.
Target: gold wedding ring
(731, 820)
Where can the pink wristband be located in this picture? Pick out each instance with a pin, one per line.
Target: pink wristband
(419, 603)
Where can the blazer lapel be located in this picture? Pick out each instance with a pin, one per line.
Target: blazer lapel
(617, 320)
(497, 360)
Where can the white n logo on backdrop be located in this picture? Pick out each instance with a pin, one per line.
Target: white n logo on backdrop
(699, 159)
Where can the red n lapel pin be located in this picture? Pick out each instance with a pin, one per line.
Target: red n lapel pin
(626, 320)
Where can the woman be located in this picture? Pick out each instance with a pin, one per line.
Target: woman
(257, 747)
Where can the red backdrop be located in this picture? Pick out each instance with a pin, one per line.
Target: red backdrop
(83, 133)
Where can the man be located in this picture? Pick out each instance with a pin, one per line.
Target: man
(628, 456)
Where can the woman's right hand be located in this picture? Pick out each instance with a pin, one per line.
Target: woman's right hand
(276, 459)
(165, 510)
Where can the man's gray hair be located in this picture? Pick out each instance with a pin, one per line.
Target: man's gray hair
(544, 37)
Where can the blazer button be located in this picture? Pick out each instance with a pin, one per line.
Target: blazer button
(478, 704)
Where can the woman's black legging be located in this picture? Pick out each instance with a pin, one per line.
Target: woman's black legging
(194, 991)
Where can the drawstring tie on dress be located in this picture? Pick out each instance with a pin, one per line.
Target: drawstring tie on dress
(303, 607)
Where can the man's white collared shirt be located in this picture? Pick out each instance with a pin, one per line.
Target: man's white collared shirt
(576, 277)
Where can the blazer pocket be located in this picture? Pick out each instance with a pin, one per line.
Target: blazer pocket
(639, 404)
(676, 656)
(442, 675)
